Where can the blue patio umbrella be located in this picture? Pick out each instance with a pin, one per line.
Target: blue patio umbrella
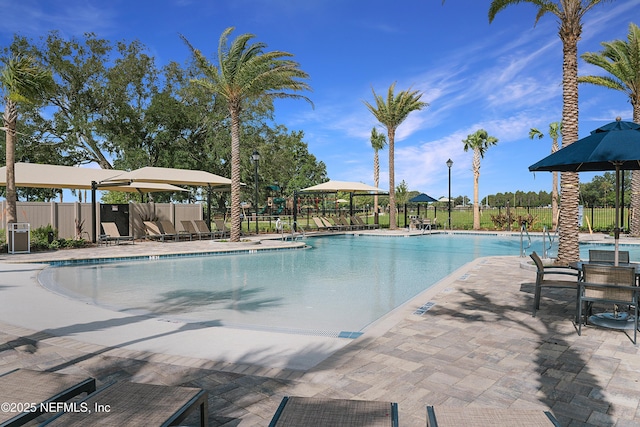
(422, 198)
(614, 146)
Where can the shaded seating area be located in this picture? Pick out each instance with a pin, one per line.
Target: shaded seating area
(321, 412)
(613, 287)
(35, 387)
(135, 404)
(551, 276)
(443, 416)
(112, 234)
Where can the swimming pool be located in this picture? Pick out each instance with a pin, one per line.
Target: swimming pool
(336, 288)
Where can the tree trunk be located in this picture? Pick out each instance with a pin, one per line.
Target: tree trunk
(568, 247)
(392, 188)
(10, 117)
(235, 174)
(476, 180)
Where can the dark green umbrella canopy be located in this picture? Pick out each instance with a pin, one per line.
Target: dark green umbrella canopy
(422, 198)
(614, 144)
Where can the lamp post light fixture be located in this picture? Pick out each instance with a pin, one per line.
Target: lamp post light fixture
(255, 158)
(449, 164)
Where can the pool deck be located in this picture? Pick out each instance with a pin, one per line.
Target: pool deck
(476, 346)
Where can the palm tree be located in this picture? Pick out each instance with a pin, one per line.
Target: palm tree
(246, 74)
(22, 81)
(391, 114)
(479, 142)
(569, 14)
(555, 130)
(622, 61)
(378, 141)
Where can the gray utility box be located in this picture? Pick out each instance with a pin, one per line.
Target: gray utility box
(19, 238)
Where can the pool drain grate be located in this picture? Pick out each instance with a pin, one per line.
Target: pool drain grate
(424, 308)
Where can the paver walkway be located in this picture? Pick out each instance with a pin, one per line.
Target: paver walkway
(477, 345)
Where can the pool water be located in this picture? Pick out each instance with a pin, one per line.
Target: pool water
(340, 285)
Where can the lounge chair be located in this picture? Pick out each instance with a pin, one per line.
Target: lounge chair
(329, 225)
(220, 227)
(356, 219)
(610, 285)
(320, 224)
(112, 234)
(607, 257)
(169, 229)
(133, 404)
(344, 223)
(23, 386)
(551, 276)
(154, 231)
(188, 227)
(442, 416)
(321, 412)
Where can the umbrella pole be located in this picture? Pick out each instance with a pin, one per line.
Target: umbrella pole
(616, 231)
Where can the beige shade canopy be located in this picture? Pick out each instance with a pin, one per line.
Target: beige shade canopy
(173, 176)
(54, 176)
(349, 187)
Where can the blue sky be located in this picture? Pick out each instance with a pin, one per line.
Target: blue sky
(504, 77)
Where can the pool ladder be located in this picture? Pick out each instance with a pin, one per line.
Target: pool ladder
(292, 234)
(523, 231)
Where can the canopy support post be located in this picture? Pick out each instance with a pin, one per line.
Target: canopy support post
(94, 187)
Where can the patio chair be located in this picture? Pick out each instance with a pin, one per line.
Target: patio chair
(112, 234)
(551, 276)
(322, 412)
(443, 416)
(36, 387)
(607, 257)
(609, 285)
(221, 227)
(189, 227)
(135, 404)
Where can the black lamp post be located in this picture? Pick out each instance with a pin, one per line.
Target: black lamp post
(255, 158)
(449, 164)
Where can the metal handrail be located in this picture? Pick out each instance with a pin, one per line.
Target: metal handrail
(292, 227)
(523, 231)
(545, 234)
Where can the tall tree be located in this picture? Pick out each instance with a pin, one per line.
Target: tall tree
(621, 59)
(246, 74)
(22, 80)
(555, 131)
(378, 141)
(391, 113)
(479, 142)
(570, 14)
